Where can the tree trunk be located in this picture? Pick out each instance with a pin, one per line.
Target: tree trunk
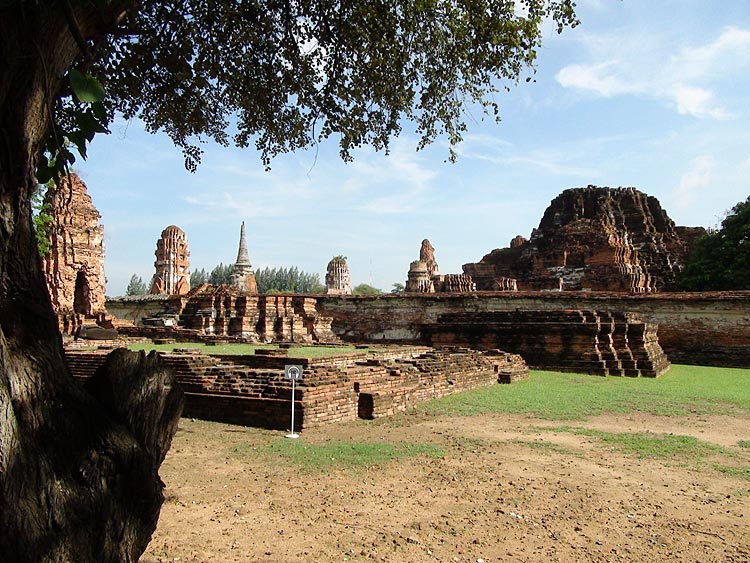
(78, 469)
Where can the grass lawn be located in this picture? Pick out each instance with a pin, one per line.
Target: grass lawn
(565, 396)
(299, 351)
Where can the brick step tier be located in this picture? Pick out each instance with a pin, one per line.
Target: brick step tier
(338, 388)
(596, 342)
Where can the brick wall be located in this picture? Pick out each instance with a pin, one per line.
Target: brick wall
(250, 390)
(693, 328)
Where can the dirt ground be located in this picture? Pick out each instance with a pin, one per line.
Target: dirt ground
(508, 488)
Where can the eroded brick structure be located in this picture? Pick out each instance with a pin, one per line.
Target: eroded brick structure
(592, 238)
(595, 342)
(338, 281)
(74, 266)
(172, 276)
(418, 279)
(225, 311)
(250, 390)
(693, 328)
(424, 276)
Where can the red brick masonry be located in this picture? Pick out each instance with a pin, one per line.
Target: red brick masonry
(250, 390)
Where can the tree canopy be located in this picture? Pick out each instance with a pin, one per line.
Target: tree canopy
(136, 286)
(42, 218)
(365, 289)
(287, 75)
(198, 277)
(287, 280)
(720, 260)
(220, 274)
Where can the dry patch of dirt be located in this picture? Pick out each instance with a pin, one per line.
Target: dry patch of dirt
(509, 488)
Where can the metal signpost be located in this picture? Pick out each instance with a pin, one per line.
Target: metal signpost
(293, 373)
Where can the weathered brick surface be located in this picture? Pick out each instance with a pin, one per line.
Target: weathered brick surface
(693, 328)
(338, 281)
(250, 390)
(172, 275)
(593, 238)
(600, 343)
(74, 266)
(225, 311)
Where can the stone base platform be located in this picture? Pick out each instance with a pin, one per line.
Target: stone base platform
(595, 342)
(250, 390)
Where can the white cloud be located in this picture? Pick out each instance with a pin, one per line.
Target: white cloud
(696, 179)
(692, 100)
(726, 54)
(400, 180)
(601, 78)
(688, 78)
(558, 161)
(394, 204)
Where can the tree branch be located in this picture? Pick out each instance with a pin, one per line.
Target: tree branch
(75, 30)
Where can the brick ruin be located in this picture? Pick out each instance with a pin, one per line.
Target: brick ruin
(424, 276)
(242, 277)
(449, 335)
(338, 281)
(250, 390)
(74, 266)
(710, 329)
(225, 311)
(172, 276)
(594, 342)
(593, 238)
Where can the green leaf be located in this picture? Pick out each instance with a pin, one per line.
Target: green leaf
(85, 87)
(44, 172)
(99, 112)
(89, 124)
(78, 138)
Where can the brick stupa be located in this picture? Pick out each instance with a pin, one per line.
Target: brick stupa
(74, 265)
(172, 276)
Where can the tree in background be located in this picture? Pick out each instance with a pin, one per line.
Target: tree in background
(136, 286)
(398, 288)
(42, 217)
(365, 289)
(720, 259)
(268, 280)
(287, 280)
(198, 277)
(220, 274)
(79, 470)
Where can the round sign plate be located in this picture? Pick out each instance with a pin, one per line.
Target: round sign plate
(293, 372)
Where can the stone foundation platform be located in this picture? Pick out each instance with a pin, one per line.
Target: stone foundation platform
(250, 390)
(595, 342)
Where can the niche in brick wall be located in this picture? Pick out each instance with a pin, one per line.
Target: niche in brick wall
(365, 406)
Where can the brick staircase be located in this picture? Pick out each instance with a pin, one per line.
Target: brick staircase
(595, 342)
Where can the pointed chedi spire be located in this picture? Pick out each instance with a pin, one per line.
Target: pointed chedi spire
(243, 259)
(242, 276)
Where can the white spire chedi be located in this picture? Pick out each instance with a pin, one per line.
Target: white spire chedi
(243, 259)
(243, 277)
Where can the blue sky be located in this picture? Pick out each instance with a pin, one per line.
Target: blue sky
(654, 95)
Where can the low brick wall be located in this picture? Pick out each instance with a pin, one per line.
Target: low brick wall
(594, 342)
(250, 390)
(693, 328)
